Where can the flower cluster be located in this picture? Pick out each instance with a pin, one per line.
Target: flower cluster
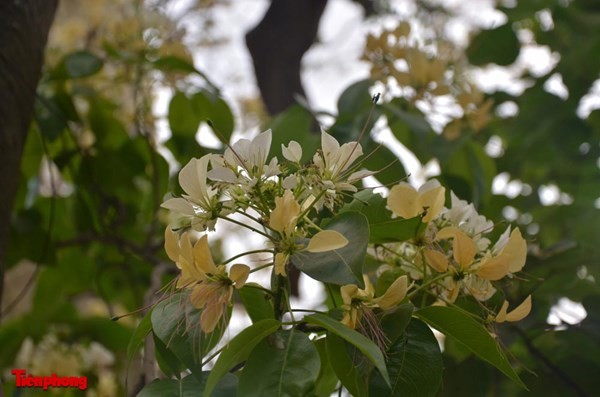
(453, 256)
(290, 204)
(279, 201)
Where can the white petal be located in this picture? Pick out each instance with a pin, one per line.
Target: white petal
(222, 174)
(293, 152)
(179, 205)
(359, 175)
(261, 145)
(329, 144)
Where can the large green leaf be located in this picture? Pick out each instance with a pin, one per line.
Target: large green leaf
(500, 46)
(257, 302)
(358, 340)
(139, 336)
(345, 366)
(238, 349)
(189, 386)
(340, 266)
(468, 332)
(215, 109)
(326, 380)
(184, 119)
(383, 229)
(176, 323)
(283, 364)
(414, 364)
(381, 160)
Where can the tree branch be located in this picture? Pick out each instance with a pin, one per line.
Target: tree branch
(24, 27)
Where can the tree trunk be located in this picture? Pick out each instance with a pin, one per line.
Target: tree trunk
(277, 45)
(24, 26)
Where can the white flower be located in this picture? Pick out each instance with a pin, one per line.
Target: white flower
(200, 202)
(464, 216)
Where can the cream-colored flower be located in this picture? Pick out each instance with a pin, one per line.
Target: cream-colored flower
(212, 287)
(285, 215)
(407, 202)
(357, 301)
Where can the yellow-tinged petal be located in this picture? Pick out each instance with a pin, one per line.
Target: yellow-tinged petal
(436, 260)
(171, 244)
(394, 294)
(326, 240)
(432, 199)
(210, 317)
(281, 260)
(464, 249)
(203, 293)
(403, 200)
(447, 233)
(239, 274)
(284, 217)
(350, 318)
(494, 268)
(515, 251)
(203, 257)
(348, 292)
(517, 314)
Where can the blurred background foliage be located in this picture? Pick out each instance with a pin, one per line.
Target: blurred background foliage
(86, 229)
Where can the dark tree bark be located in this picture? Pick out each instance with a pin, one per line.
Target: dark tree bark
(277, 45)
(24, 27)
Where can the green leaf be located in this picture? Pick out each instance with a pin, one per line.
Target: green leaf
(340, 266)
(383, 229)
(176, 323)
(215, 109)
(395, 321)
(345, 367)
(294, 124)
(257, 302)
(414, 363)
(381, 160)
(77, 64)
(362, 343)
(469, 173)
(283, 364)
(139, 336)
(500, 46)
(468, 332)
(189, 387)
(184, 119)
(326, 380)
(238, 349)
(167, 361)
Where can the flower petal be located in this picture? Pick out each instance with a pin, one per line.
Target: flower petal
(293, 152)
(521, 311)
(436, 260)
(464, 249)
(432, 199)
(494, 268)
(171, 244)
(284, 217)
(515, 251)
(326, 240)
(202, 256)
(394, 294)
(348, 292)
(239, 274)
(180, 205)
(281, 260)
(517, 314)
(403, 200)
